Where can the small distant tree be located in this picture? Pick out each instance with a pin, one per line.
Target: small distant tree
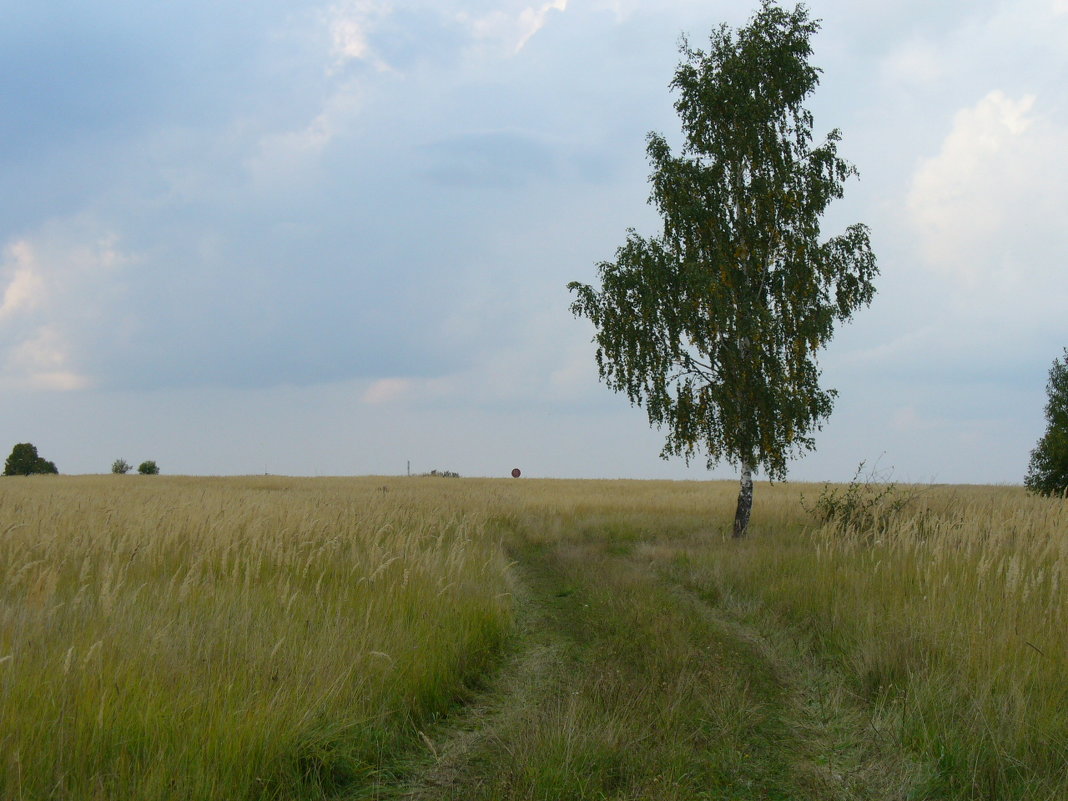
(121, 466)
(1048, 471)
(148, 468)
(25, 461)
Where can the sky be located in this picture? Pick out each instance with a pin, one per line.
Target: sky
(334, 238)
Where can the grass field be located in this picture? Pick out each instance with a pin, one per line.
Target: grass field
(233, 638)
(269, 638)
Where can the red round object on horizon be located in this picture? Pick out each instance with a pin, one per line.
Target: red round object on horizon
(516, 473)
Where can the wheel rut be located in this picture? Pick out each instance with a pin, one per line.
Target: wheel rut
(624, 681)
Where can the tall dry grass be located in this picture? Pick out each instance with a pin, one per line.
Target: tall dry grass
(948, 616)
(166, 638)
(943, 610)
(270, 637)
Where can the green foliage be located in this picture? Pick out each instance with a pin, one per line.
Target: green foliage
(713, 325)
(1048, 471)
(148, 468)
(24, 461)
(121, 467)
(443, 474)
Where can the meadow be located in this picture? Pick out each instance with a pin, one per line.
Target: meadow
(233, 638)
(269, 638)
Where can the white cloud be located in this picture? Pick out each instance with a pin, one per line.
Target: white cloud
(25, 290)
(532, 20)
(349, 25)
(997, 181)
(60, 295)
(288, 154)
(291, 154)
(512, 31)
(60, 381)
(45, 351)
(43, 362)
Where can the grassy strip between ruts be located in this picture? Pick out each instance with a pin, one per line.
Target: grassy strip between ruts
(628, 685)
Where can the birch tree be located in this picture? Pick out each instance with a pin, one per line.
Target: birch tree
(713, 325)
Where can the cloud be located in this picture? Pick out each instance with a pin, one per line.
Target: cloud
(543, 360)
(621, 9)
(532, 20)
(61, 295)
(934, 58)
(43, 362)
(386, 390)
(511, 31)
(996, 182)
(917, 64)
(350, 24)
(292, 154)
(26, 289)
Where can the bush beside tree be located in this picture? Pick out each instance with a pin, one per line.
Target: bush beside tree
(148, 468)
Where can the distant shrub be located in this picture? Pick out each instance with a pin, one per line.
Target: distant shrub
(862, 504)
(148, 468)
(24, 461)
(121, 467)
(442, 474)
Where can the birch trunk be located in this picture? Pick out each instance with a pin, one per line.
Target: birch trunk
(745, 501)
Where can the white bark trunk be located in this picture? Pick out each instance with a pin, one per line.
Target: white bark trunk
(745, 501)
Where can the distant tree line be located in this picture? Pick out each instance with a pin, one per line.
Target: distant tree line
(26, 461)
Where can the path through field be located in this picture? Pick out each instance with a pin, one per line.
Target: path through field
(627, 682)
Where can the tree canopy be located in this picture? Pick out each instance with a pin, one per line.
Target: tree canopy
(1048, 472)
(713, 325)
(25, 461)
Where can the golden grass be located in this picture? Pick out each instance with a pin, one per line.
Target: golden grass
(166, 637)
(948, 617)
(232, 638)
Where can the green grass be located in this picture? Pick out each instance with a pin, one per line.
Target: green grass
(172, 638)
(269, 638)
(921, 657)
